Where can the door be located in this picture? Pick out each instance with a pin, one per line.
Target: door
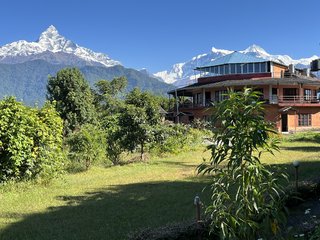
(284, 122)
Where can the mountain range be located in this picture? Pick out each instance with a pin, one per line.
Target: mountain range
(182, 74)
(25, 67)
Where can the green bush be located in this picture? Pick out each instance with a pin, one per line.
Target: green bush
(30, 141)
(87, 145)
(176, 138)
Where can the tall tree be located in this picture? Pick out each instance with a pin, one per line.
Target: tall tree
(147, 102)
(73, 97)
(108, 94)
(138, 120)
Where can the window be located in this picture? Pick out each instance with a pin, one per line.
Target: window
(290, 91)
(238, 68)
(221, 70)
(233, 68)
(220, 95)
(250, 68)
(307, 94)
(244, 68)
(197, 98)
(304, 119)
(216, 70)
(263, 67)
(226, 69)
(257, 67)
(268, 67)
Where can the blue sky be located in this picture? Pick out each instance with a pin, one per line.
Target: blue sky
(155, 34)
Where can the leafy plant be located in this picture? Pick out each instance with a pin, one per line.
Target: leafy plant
(73, 97)
(87, 145)
(30, 141)
(247, 198)
(114, 138)
(175, 138)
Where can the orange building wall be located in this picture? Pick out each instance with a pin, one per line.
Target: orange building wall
(278, 71)
(315, 119)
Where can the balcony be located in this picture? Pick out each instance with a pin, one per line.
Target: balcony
(281, 100)
(297, 99)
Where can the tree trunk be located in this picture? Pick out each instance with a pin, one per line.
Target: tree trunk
(142, 152)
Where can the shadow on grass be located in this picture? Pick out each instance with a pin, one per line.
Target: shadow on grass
(110, 213)
(302, 148)
(308, 170)
(180, 164)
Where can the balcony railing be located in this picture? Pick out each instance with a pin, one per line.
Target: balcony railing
(298, 99)
(274, 100)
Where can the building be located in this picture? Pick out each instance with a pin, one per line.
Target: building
(290, 95)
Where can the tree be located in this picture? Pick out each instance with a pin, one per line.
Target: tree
(147, 102)
(137, 120)
(87, 145)
(73, 97)
(30, 141)
(135, 129)
(108, 93)
(247, 197)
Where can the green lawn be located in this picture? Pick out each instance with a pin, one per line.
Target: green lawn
(108, 203)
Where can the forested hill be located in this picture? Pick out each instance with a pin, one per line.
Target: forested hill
(27, 81)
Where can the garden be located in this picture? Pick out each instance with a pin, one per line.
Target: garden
(101, 164)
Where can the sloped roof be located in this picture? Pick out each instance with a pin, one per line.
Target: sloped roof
(251, 82)
(235, 57)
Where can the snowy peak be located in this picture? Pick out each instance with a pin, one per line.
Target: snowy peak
(50, 43)
(256, 49)
(51, 40)
(50, 32)
(221, 51)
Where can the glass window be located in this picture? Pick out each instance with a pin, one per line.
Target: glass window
(226, 69)
(304, 119)
(232, 68)
(250, 70)
(238, 68)
(307, 94)
(263, 67)
(245, 68)
(220, 95)
(221, 70)
(216, 70)
(197, 98)
(257, 67)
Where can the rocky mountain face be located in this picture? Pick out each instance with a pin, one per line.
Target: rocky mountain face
(182, 74)
(25, 66)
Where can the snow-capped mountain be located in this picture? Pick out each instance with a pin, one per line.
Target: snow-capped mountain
(182, 74)
(55, 49)
(25, 67)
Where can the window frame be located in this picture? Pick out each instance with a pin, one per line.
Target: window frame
(304, 119)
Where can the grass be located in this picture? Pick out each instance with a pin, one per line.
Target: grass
(109, 203)
(103, 203)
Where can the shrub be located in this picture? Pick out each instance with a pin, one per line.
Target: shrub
(87, 145)
(247, 198)
(176, 138)
(30, 141)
